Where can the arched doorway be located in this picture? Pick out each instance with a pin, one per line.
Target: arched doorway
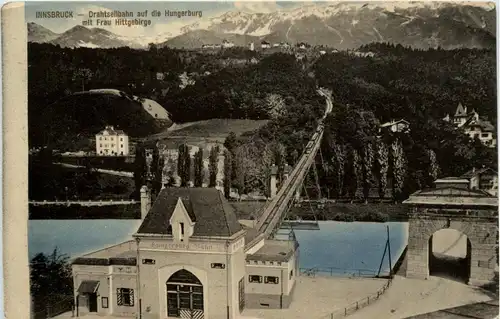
(184, 295)
(450, 255)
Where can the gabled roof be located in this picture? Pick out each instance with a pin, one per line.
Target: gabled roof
(475, 172)
(485, 125)
(452, 196)
(461, 110)
(110, 130)
(207, 207)
(394, 123)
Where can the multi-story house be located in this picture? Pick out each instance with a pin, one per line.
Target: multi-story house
(473, 125)
(111, 142)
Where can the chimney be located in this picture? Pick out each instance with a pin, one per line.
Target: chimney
(145, 201)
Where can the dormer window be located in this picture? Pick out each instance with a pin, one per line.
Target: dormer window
(181, 222)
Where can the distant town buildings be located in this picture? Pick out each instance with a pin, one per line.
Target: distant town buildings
(265, 45)
(398, 126)
(111, 142)
(473, 125)
(227, 44)
(484, 179)
(252, 47)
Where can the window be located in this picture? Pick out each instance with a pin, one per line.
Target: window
(100, 138)
(271, 263)
(241, 293)
(485, 135)
(218, 265)
(182, 229)
(291, 274)
(148, 261)
(100, 145)
(279, 263)
(112, 139)
(104, 302)
(105, 138)
(255, 278)
(271, 280)
(121, 145)
(121, 139)
(125, 297)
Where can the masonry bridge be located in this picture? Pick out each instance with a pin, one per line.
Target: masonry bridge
(274, 212)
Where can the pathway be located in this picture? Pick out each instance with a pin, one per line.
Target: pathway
(318, 297)
(480, 310)
(409, 297)
(100, 170)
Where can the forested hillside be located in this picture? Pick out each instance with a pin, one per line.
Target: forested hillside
(399, 83)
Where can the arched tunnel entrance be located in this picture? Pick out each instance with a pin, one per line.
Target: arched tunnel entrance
(450, 255)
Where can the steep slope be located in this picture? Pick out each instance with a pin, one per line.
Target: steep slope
(39, 34)
(195, 39)
(348, 25)
(83, 114)
(80, 36)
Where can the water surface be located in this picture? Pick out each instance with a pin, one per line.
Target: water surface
(343, 246)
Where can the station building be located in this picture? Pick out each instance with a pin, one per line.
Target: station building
(190, 258)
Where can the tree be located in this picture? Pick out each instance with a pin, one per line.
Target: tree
(231, 142)
(383, 165)
(157, 166)
(198, 168)
(275, 105)
(184, 164)
(295, 156)
(139, 168)
(51, 282)
(368, 157)
(339, 159)
(228, 163)
(355, 173)
(213, 166)
(433, 165)
(84, 75)
(398, 168)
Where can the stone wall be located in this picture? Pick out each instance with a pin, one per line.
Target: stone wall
(481, 232)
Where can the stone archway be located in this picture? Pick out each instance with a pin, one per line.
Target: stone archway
(184, 295)
(481, 235)
(450, 255)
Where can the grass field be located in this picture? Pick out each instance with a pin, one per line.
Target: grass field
(216, 127)
(204, 133)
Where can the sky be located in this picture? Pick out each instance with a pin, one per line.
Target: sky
(159, 24)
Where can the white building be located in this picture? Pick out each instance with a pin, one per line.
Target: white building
(252, 47)
(399, 126)
(265, 45)
(190, 258)
(227, 44)
(473, 125)
(111, 142)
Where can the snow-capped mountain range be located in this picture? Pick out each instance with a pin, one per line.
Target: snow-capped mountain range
(342, 25)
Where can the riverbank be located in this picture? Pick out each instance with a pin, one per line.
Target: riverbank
(347, 212)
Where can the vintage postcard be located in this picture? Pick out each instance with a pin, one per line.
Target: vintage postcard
(250, 160)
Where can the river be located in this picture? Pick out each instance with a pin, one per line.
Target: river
(340, 247)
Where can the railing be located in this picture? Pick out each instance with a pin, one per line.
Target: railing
(334, 271)
(355, 306)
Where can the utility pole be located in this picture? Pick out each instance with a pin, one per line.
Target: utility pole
(389, 251)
